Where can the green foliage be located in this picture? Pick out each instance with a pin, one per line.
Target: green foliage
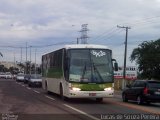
(3, 68)
(13, 70)
(147, 56)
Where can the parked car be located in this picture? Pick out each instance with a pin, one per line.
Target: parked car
(35, 80)
(142, 91)
(8, 75)
(26, 78)
(2, 75)
(20, 77)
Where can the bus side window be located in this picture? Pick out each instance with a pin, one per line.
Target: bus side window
(66, 66)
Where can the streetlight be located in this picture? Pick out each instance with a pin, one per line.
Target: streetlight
(30, 60)
(35, 60)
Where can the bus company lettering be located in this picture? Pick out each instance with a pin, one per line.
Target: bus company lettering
(98, 54)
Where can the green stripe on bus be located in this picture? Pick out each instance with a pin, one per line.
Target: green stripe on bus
(53, 73)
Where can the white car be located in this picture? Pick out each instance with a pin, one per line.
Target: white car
(35, 80)
(20, 77)
(2, 75)
(8, 75)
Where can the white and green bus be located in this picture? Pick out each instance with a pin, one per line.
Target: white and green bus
(79, 71)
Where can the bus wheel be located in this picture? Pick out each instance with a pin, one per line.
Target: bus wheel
(124, 97)
(46, 88)
(99, 99)
(61, 92)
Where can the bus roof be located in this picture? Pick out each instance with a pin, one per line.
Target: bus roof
(76, 46)
(85, 46)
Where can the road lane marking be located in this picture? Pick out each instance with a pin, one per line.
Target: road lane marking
(36, 91)
(28, 88)
(49, 97)
(81, 112)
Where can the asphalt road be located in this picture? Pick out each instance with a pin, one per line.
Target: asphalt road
(19, 101)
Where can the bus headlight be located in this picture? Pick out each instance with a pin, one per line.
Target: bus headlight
(107, 89)
(76, 89)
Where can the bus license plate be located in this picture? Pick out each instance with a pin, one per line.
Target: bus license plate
(92, 94)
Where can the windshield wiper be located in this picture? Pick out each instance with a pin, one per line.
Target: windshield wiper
(97, 71)
(84, 71)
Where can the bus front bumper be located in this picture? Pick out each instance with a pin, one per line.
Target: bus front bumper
(90, 94)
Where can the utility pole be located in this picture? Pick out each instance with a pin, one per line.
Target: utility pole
(26, 58)
(30, 60)
(35, 60)
(125, 55)
(26, 51)
(77, 40)
(14, 58)
(21, 54)
(84, 35)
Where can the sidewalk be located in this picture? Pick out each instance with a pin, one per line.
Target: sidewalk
(117, 92)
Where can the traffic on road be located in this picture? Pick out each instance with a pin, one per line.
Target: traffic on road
(18, 99)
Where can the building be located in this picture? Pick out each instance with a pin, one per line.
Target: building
(131, 73)
(8, 64)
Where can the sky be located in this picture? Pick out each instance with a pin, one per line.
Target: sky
(46, 25)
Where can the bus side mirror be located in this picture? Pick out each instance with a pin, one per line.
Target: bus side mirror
(116, 66)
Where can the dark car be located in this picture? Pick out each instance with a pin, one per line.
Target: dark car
(142, 91)
(26, 78)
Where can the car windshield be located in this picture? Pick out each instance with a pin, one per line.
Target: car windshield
(90, 65)
(8, 73)
(21, 75)
(27, 75)
(36, 77)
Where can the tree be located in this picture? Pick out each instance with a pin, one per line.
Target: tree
(13, 70)
(1, 68)
(147, 56)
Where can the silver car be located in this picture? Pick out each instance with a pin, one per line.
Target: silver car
(20, 77)
(35, 80)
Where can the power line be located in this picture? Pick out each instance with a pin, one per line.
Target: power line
(143, 21)
(110, 35)
(39, 46)
(61, 43)
(104, 33)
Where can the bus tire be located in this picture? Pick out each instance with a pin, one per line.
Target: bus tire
(29, 84)
(99, 99)
(46, 88)
(124, 98)
(61, 92)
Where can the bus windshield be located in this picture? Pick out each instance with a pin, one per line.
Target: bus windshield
(90, 66)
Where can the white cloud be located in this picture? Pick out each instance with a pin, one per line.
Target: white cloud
(40, 21)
